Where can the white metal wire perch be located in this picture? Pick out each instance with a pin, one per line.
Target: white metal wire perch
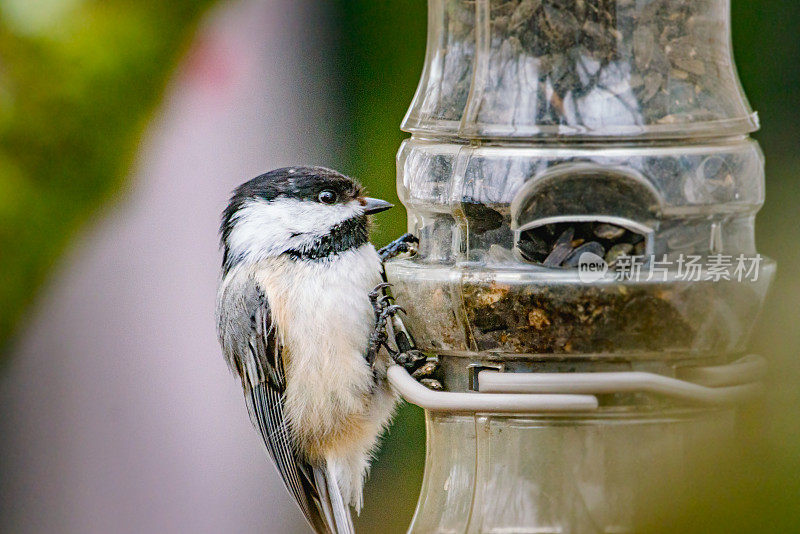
(500, 392)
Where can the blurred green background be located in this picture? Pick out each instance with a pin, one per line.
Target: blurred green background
(79, 80)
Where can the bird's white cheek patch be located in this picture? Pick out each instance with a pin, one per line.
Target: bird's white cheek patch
(263, 229)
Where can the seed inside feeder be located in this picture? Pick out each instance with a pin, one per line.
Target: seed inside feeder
(561, 244)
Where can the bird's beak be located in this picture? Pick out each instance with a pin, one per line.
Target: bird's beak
(374, 205)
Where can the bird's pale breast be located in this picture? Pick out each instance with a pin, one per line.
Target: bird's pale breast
(324, 318)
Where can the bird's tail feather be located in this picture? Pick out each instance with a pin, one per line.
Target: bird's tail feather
(336, 513)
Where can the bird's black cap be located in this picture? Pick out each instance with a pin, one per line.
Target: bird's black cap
(302, 183)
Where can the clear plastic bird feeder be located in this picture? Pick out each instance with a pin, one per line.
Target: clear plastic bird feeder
(584, 190)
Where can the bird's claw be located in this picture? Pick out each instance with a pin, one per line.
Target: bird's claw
(378, 291)
(389, 310)
(383, 311)
(402, 244)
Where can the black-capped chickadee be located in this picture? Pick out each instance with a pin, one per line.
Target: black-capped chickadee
(299, 321)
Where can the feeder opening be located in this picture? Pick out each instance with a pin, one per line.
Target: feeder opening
(574, 208)
(561, 244)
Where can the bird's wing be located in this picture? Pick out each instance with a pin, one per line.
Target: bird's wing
(259, 362)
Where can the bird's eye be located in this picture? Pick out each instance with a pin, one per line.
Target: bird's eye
(327, 197)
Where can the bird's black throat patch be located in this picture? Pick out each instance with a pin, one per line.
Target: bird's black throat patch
(348, 234)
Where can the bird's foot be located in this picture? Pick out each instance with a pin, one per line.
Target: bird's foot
(376, 295)
(404, 243)
(383, 311)
(420, 366)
